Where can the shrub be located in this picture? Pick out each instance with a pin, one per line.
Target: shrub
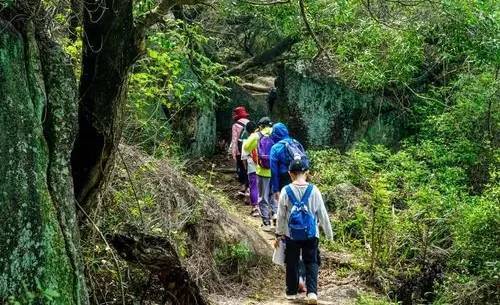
(422, 228)
(233, 259)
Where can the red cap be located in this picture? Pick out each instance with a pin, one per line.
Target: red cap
(240, 113)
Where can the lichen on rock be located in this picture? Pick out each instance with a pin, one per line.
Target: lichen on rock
(35, 263)
(322, 111)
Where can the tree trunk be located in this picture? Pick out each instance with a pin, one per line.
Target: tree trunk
(39, 257)
(109, 51)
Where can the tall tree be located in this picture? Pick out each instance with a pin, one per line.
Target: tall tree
(113, 41)
(39, 244)
(40, 115)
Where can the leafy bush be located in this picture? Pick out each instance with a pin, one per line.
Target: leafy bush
(419, 220)
(233, 258)
(174, 79)
(366, 299)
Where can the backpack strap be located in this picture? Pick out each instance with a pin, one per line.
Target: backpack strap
(305, 198)
(307, 194)
(291, 195)
(242, 130)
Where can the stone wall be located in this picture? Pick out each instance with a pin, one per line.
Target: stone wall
(321, 111)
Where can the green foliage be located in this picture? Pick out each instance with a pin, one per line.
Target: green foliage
(35, 297)
(6, 3)
(174, 78)
(419, 212)
(476, 234)
(475, 253)
(366, 299)
(379, 230)
(233, 258)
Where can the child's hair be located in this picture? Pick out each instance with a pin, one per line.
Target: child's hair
(297, 166)
(265, 122)
(250, 127)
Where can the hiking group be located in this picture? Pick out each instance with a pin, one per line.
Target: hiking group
(272, 170)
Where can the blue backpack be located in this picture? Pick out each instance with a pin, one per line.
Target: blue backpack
(295, 151)
(301, 223)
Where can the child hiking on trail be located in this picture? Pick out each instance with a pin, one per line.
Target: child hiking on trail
(261, 140)
(282, 154)
(250, 159)
(300, 213)
(240, 117)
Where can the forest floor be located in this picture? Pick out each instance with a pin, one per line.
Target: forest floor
(338, 283)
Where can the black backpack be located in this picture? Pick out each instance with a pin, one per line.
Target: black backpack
(243, 135)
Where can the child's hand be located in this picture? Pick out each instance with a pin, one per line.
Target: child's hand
(277, 242)
(277, 196)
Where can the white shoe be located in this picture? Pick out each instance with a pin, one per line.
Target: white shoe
(291, 297)
(312, 298)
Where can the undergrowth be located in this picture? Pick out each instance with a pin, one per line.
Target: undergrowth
(420, 234)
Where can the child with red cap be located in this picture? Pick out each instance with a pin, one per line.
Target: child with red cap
(240, 117)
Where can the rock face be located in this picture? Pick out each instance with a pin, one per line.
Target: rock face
(39, 243)
(321, 111)
(344, 199)
(195, 130)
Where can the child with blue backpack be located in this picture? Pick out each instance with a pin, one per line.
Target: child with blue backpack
(301, 211)
(282, 153)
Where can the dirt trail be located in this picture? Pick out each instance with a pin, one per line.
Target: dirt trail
(333, 288)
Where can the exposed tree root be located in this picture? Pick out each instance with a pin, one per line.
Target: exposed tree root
(157, 254)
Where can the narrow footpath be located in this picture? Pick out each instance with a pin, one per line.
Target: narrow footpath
(338, 284)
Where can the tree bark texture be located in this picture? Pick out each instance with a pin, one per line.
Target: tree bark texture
(39, 243)
(109, 51)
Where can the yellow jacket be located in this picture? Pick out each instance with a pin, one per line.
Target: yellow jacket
(252, 142)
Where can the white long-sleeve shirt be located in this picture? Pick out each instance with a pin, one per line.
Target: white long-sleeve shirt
(316, 205)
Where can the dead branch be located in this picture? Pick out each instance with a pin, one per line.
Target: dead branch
(256, 87)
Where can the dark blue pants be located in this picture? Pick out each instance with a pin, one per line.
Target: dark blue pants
(309, 249)
(241, 171)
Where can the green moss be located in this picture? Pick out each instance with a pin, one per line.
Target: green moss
(205, 136)
(323, 112)
(34, 262)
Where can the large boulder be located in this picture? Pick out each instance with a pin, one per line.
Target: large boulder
(320, 110)
(344, 199)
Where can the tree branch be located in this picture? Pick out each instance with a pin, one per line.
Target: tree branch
(303, 14)
(156, 14)
(75, 19)
(265, 57)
